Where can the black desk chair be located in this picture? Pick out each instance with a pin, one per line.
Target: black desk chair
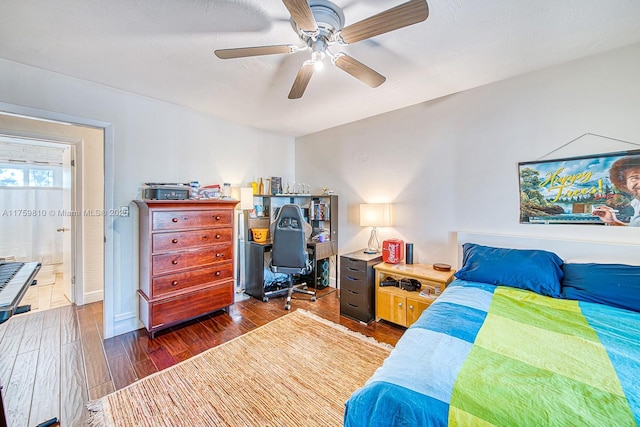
(289, 250)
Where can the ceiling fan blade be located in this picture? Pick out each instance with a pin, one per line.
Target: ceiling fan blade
(401, 16)
(358, 70)
(301, 14)
(301, 81)
(242, 52)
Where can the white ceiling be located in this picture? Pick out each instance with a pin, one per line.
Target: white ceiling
(163, 49)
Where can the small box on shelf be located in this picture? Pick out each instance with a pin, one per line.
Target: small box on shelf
(431, 291)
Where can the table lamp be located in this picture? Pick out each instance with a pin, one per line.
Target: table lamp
(246, 198)
(374, 215)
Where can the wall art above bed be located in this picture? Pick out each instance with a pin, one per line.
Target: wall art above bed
(602, 189)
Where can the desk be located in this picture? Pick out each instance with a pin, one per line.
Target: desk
(255, 264)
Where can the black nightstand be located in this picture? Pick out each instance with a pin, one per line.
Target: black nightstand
(357, 285)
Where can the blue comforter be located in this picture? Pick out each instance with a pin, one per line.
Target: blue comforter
(495, 355)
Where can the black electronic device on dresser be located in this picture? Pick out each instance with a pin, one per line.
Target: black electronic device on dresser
(357, 285)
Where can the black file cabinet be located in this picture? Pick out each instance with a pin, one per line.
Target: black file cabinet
(357, 285)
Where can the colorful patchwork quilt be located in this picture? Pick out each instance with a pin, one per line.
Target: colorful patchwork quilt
(486, 355)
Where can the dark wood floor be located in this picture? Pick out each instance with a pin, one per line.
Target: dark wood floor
(53, 362)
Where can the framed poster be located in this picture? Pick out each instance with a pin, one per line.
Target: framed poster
(602, 189)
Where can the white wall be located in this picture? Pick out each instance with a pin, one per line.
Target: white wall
(447, 165)
(92, 170)
(451, 164)
(152, 141)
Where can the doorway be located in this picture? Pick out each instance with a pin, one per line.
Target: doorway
(79, 223)
(36, 200)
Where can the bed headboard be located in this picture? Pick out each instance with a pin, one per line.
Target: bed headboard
(568, 250)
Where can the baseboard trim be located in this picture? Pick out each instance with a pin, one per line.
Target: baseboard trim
(126, 322)
(94, 296)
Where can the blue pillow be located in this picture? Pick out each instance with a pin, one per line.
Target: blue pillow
(617, 285)
(531, 269)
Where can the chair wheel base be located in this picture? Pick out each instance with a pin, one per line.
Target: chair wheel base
(313, 298)
(287, 307)
(265, 299)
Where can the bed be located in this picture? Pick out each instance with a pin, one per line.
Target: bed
(520, 337)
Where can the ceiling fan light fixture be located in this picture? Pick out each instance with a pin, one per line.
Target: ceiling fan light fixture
(318, 54)
(320, 24)
(328, 20)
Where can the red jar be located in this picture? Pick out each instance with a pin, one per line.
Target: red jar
(393, 251)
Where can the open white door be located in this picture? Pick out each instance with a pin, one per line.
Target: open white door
(68, 224)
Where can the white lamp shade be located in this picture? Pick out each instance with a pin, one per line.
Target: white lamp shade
(375, 215)
(244, 195)
(246, 198)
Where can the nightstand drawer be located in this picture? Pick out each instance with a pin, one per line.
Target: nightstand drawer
(354, 264)
(357, 297)
(348, 271)
(356, 305)
(357, 285)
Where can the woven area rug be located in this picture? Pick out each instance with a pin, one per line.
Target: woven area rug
(297, 370)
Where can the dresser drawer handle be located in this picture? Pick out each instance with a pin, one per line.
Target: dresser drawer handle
(174, 262)
(218, 236)
(352, 269)
(352, 292)
(217, 273)
(410, 307)
(219, 255)
(217, 217)
(351, 278)
(399, 304)
(174, 241)
(174, 283)
(204, 236)
(174, 219)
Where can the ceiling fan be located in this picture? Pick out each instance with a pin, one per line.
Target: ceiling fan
(320, 24)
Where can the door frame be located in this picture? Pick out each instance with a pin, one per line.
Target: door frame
(108, 291)
(69, 244)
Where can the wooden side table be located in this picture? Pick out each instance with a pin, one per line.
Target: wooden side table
(404, 307)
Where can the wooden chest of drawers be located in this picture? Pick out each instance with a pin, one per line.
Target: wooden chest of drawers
(357, 285)
(186, 260)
